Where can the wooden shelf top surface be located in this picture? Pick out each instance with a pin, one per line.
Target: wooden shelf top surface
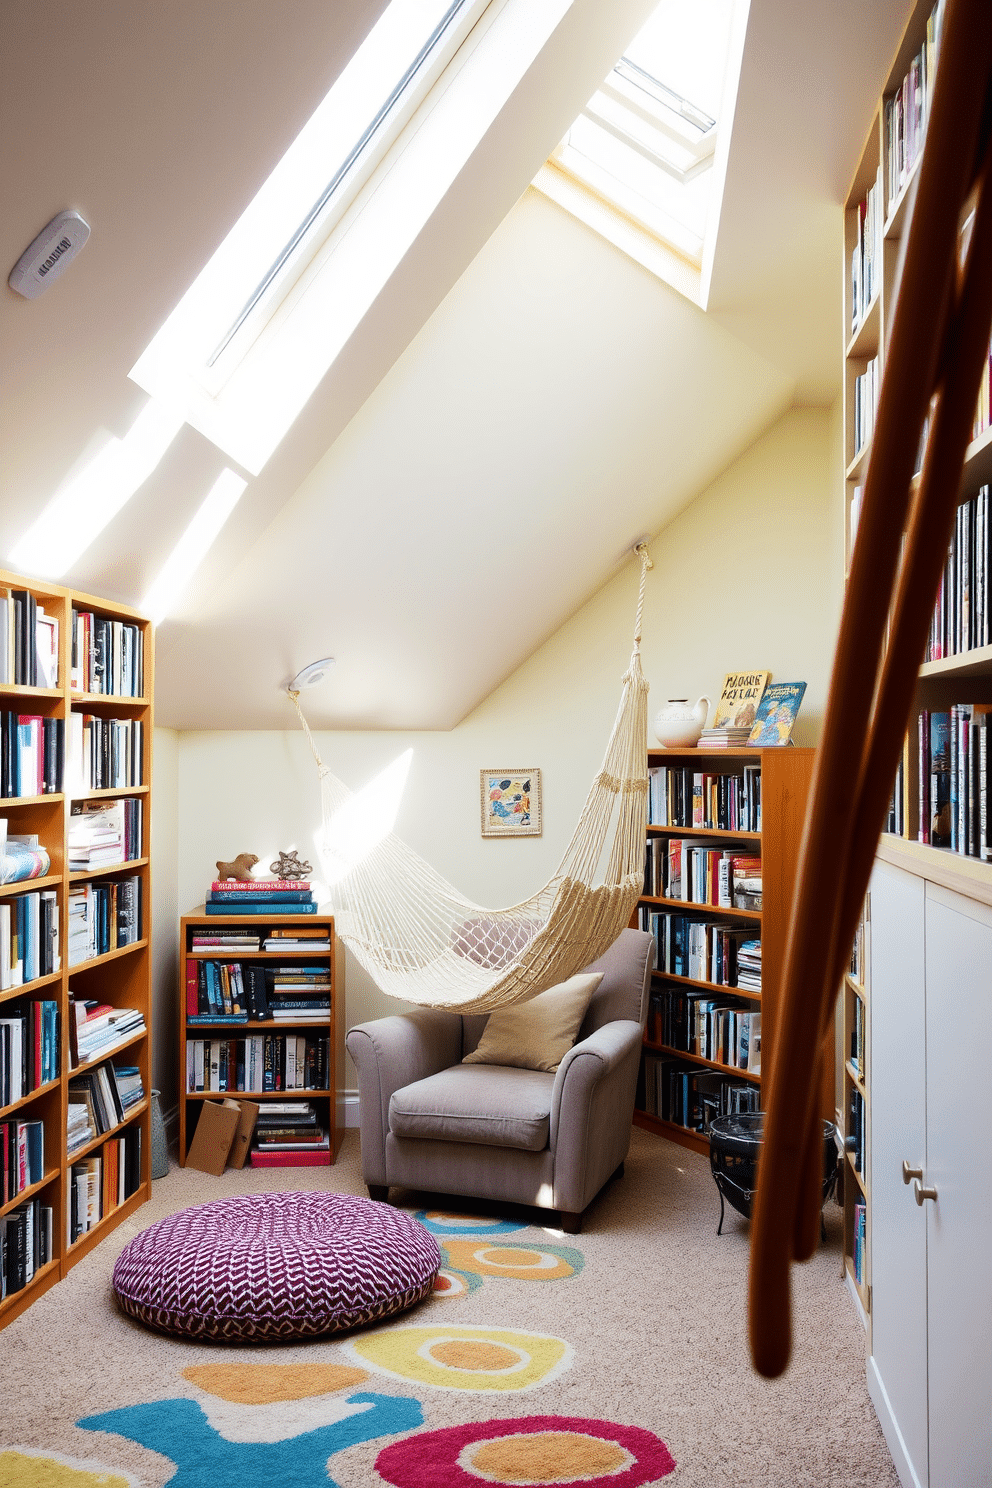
(715, 909)
(254, 1095)
(711, 1064)
(79, 1153)
(29, 885)
(136, 945)
(711, 987)
(730, 835)
(29, 989)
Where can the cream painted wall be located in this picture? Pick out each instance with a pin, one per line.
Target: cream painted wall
(747, 576)
(165, 912)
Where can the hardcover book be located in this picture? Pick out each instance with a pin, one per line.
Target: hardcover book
(776, 715)
(739, 698)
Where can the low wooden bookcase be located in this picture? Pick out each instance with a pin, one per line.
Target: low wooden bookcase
(785, 775)
(327, 1099)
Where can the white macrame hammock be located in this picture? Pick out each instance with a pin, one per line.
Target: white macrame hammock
(422, 941)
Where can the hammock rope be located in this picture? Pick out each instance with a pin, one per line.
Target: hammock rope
(422, 941)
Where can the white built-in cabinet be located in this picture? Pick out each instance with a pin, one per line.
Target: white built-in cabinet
(930, 1366)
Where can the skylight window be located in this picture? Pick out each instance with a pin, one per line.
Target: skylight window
(643, 162)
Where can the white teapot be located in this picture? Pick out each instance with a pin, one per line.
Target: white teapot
(679, 723)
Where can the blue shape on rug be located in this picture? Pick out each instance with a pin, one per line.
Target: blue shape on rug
(180, 1431)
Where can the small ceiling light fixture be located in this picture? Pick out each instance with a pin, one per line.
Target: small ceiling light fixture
(312, 675)
(48, 257)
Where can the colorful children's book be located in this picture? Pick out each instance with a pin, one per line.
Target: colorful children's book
(776, 713)
(739, 698)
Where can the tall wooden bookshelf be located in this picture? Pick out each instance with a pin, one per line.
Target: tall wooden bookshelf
(120, 978)
(965, 677)
(326, 1097)
(785, 776)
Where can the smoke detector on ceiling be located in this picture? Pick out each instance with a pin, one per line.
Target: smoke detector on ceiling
(49, 255)
(312, 675)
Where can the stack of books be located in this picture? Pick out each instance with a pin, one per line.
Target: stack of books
(302, 939)
(726, 737)
(103, 917)
(226, 940)
(79, 1131)
(102, 833)
(260, 896)
(299, 994)
(287, 1135)
(96, 1028)
(749, 965)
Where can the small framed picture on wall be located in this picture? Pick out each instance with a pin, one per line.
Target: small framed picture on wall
(511, 803)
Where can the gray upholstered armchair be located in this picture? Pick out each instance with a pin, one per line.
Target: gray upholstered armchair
(499, 1133)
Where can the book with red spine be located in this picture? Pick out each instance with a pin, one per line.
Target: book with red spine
(320, 1159)
(192, 987)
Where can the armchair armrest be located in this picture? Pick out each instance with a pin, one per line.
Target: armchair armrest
(592, 1106)
(390, 1053)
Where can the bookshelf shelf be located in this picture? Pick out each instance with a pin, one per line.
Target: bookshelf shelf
(723, 910)
(85, 874)
(865, 340)
(90, 1238)
(110, 793)
(223, 1035)
(78, 1153)
(785, 776)
(122, 978)
(111, 1049)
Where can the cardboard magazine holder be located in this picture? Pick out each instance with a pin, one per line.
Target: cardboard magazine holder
(214, 1135)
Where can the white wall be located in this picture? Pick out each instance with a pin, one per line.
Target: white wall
(746, 577)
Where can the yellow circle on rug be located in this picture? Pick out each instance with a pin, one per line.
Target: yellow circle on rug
(528, 1263)
(24, 1470)
(262, 1384)
(544, 1457)
(466, 1358)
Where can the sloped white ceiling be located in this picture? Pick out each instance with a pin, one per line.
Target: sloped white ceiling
(521, 404)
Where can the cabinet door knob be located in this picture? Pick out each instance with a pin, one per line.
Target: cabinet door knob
(921, 1193)
(908, 1173)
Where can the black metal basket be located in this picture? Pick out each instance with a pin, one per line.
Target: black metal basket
(735, 1148)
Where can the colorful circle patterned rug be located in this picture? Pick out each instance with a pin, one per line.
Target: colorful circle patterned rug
(500, 1359)
(537, 1451)
(439, 1222)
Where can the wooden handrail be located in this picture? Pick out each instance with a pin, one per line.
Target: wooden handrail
(939, 339)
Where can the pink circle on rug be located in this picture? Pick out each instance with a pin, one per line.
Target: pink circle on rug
(275, 1266)
(431, 1457)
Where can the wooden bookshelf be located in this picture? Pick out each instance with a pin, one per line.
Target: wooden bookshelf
(965, 676)
(785, 775)
(326, 1099)
(120, 979)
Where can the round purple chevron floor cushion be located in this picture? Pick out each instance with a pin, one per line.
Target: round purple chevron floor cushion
(275, 1265)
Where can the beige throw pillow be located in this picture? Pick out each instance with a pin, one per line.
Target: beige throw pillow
(537, 1034)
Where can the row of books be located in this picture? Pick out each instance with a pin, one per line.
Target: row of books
(97, 1028)
(29, 641)
(22, 1156)
(104, 753)
(101, 1183)
(856, 1128)
(104, 1096)
(25, 1244)
(238, 991)
(31, 755)
(906, 112)
(858, 1240)
(724, 955)
(103, 833)
(954, 752)
(866, 389)
(962, 615)
(857, 963)
(858, 1038)
(244, 942)
(689, 1096)
(866, 256)
(724, 1032)
(29, 938)
(259, 1062)
(106, 656)
(260, 896)
(725, 802)
(103, 917)
(29, 1049)
(677, 868)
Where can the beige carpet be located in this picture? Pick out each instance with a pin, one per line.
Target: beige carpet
(651, 1308)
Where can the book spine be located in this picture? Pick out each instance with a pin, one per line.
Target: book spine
(251, 908)
(192, 987)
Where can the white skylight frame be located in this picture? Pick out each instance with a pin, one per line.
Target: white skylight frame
(247, 406)
(674, 238)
